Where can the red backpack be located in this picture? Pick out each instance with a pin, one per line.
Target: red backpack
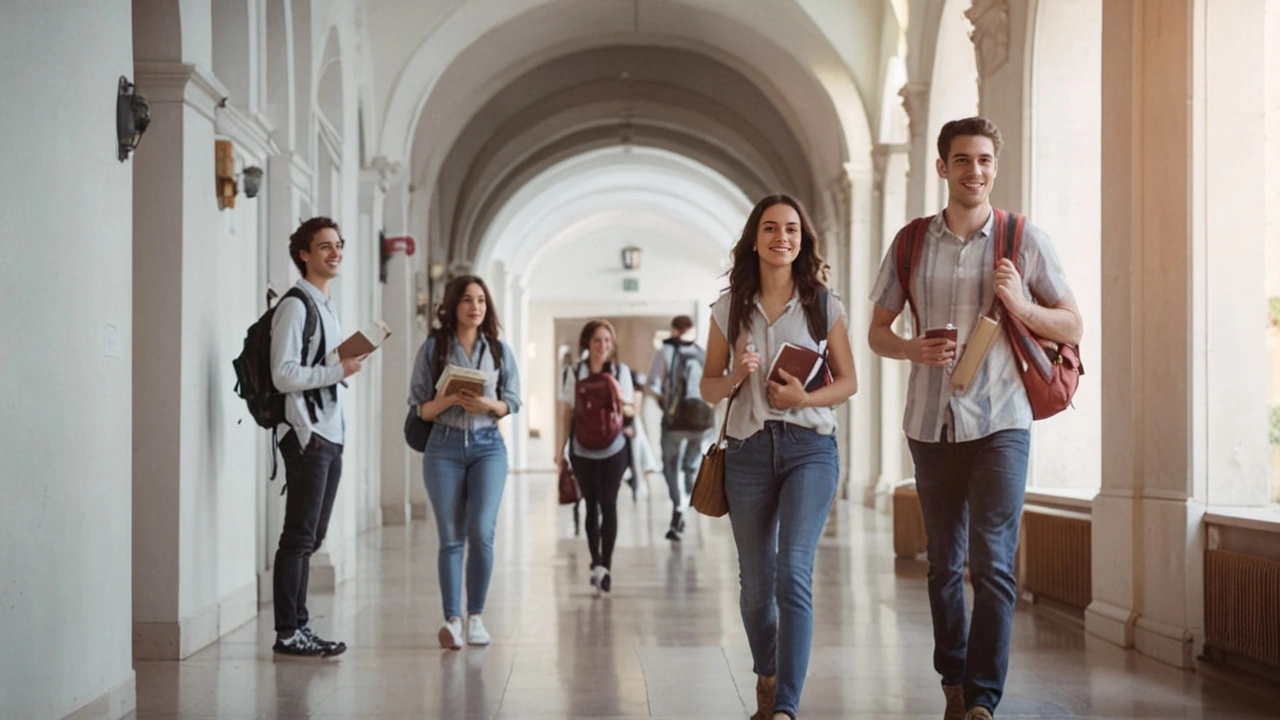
(597, 409)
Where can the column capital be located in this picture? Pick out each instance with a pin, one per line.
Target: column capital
(175, 82)
(915, 100)
(990, 35)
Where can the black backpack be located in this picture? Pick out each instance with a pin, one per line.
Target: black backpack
(253, 368)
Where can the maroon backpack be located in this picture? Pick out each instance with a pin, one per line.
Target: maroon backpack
(597, 409)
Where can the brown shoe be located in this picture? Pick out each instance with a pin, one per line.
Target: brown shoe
(977, 712)
(955, 702)
(765, 688)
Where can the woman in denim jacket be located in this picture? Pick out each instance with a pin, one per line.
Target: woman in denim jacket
(781, 467)
(465, 463)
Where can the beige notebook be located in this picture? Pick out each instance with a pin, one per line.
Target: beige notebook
(974, 351)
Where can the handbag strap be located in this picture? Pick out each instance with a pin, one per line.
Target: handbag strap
(724, 425)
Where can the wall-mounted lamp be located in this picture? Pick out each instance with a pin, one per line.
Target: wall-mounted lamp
(631, 257)
(133, 115)
(389, 246)
(252, 181)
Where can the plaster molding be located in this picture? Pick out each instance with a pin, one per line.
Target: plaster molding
(915, 100)
(990, 35)
(251, 132)
(173, 82)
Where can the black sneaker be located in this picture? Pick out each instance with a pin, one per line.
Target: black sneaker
(331, 647)
(606, 582)
(299, 644)
(676, 531)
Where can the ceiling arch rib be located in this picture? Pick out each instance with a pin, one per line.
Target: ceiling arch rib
(653, 183)
(783, 55)
(722, 117)
(742, 177)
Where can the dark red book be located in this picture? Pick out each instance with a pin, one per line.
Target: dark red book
(802, 363)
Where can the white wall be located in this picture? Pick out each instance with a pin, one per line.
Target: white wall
(65, 268)
(584, 278)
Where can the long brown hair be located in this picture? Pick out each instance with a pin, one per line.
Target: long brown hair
(809, 271)
(447, 319)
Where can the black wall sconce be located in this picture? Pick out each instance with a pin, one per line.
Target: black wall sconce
(388, 247)
(133, 115)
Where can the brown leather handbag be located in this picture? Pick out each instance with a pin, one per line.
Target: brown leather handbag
(708, 495)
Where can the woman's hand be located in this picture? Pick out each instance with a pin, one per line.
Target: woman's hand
(744, 363)
(476, 404)
(789, 394)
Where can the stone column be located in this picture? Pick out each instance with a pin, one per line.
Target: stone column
(999, 34)
(174, 211)
(400, 465)
(891, 184)
(1174, 165)
(915, 99)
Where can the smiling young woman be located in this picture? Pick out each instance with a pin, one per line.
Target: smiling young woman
(781, 465)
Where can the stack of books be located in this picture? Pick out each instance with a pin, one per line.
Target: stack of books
(456, 378)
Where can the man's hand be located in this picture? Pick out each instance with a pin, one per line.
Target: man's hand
(786, 395)
(935, 352)
(1009, 289)
(351, 365)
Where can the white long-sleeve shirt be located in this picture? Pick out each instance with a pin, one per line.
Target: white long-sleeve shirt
(294, 377)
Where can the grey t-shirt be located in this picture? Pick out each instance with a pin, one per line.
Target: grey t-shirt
(751, 409)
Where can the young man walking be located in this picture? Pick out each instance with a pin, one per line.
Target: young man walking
(969, 447)
(674, 377)
(311, 440)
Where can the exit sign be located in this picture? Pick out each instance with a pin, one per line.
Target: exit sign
(630, 284)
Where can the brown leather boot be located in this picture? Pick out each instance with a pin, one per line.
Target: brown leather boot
(765, 687)
(955, 702)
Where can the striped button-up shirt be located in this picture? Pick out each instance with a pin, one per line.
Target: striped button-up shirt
(955, 283)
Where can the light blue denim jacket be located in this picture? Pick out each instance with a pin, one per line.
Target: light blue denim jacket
(423, 386)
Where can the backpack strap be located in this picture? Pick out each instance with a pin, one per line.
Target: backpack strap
(908, 247)
(311, 321)
(1008, 235)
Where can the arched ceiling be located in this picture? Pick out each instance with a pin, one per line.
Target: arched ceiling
(635, 192)
(500, 91)
(670, 99)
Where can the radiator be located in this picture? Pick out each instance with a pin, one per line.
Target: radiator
(1242, 605)
(909, 540)
(1056, 556)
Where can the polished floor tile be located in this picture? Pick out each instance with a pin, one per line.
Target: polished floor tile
(668, 643)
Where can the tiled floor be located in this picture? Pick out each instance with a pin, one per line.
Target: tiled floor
(668, 644)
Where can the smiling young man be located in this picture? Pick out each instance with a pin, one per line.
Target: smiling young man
(311, 440)
(970, 447)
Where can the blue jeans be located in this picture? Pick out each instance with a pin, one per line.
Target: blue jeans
(674, 461)
(780, 483)
(973, 490)
(465, 472)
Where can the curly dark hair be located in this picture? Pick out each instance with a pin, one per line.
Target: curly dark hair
(300, 240)
(809, 271)
(447, 317)
(967, 126)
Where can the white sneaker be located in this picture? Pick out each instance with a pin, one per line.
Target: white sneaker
(476, 634)
(597, 573)
(451, 634)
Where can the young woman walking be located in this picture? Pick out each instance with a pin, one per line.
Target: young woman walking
(465, 463)
(781, 465)
(599, 416)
